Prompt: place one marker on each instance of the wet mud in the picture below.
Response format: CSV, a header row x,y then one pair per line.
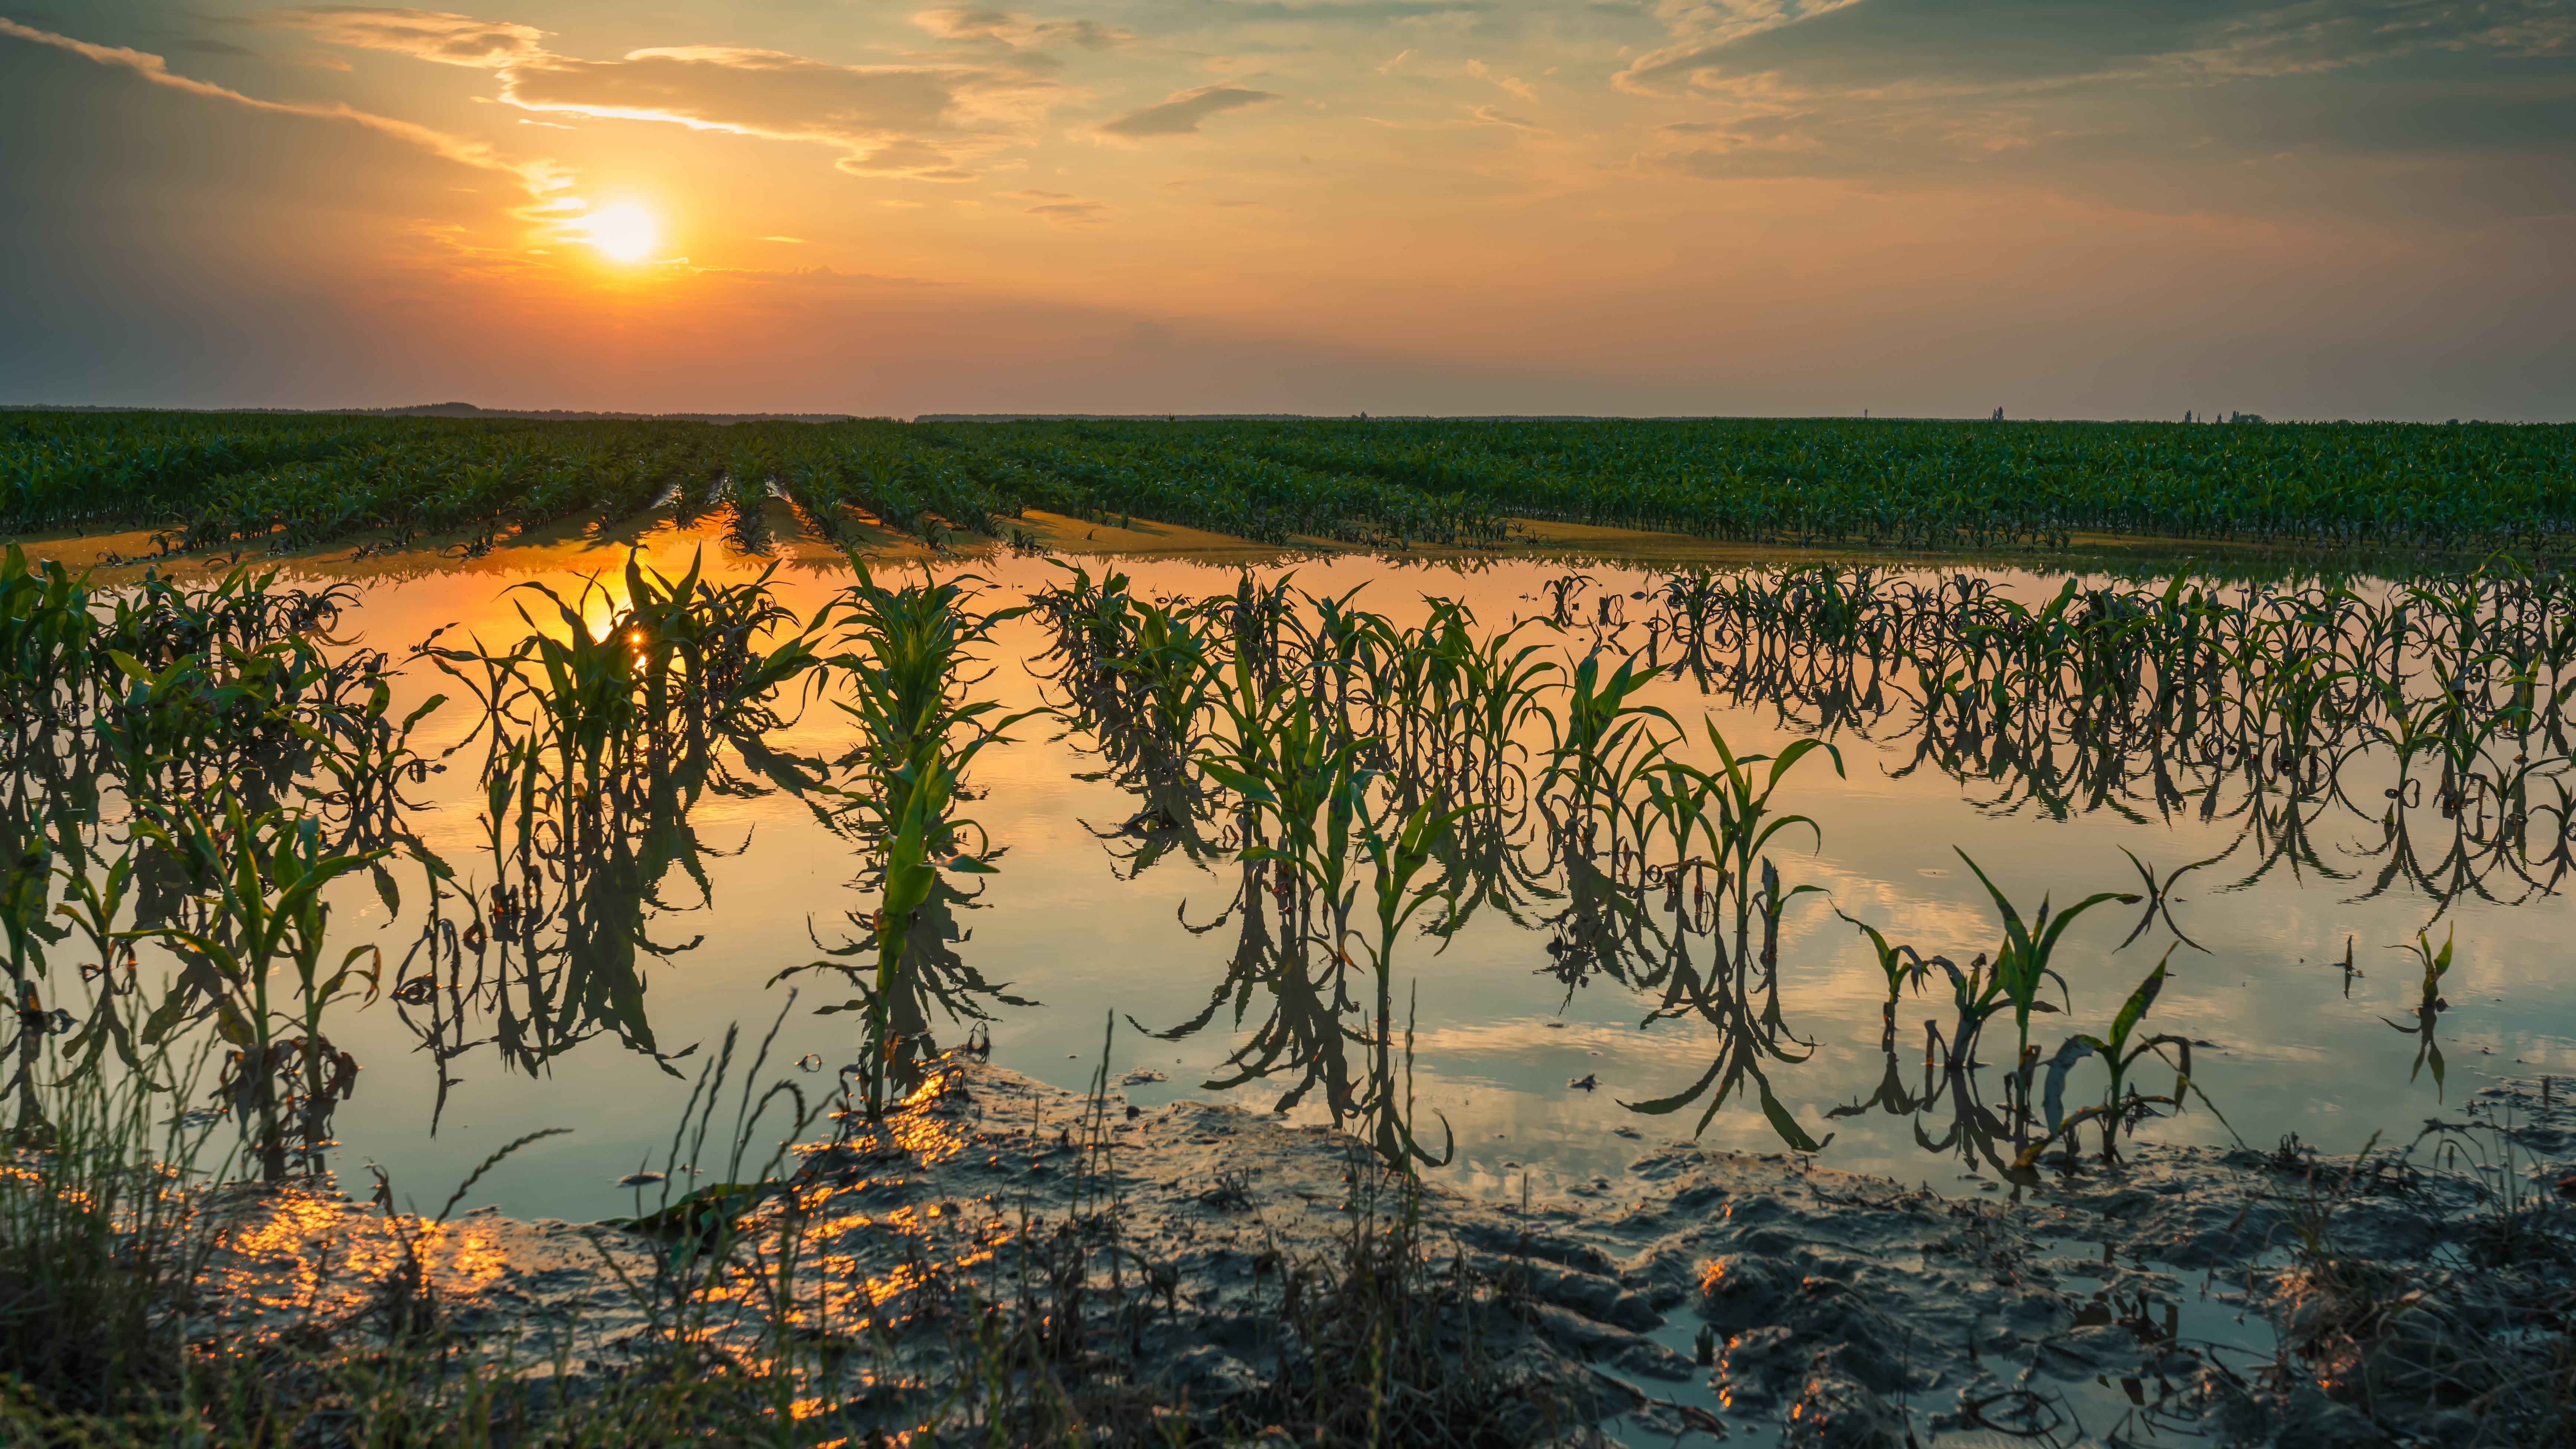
x,y
2227,1297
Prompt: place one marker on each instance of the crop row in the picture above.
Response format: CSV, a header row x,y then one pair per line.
x,y
296,480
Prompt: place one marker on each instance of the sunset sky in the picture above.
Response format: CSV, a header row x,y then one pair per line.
x,y
2331,208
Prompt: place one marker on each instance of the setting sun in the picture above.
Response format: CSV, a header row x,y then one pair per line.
x,y
625,233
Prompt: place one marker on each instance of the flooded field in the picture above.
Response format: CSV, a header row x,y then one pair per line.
x,y
1601,936
895,975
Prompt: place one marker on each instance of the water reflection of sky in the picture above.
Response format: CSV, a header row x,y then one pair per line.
x,y
1497,1040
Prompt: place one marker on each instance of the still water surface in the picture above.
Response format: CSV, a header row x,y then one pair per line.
x,y
2290,1042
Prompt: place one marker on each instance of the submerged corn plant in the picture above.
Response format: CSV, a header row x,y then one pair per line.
x,y
907,659
2429,1005
601,729
2024,962
262,877
2123,1107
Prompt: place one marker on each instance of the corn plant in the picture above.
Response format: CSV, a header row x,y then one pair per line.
x,y
262,876
2022,965
2122,1105
906,671
2429,1005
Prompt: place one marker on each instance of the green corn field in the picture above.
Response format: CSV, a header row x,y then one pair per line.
x,y
298,480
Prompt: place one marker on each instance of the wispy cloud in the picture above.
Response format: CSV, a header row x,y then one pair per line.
x,y
429,34
1181,113
1020,32
1512,83
1061,208
924,122
1883,51
1496,116
919,121
1071,214
542,179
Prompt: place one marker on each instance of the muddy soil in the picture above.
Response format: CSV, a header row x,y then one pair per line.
x,y
2222,1297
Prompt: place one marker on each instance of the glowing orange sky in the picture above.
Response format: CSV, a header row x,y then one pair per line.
x,y
2326,208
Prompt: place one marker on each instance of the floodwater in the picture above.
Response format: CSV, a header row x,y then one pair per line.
x,y
2288,1040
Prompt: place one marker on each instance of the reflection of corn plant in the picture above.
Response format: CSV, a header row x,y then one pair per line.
x,y
602,735
24,891
97,904
366,754
263,876
1308,816
1300,799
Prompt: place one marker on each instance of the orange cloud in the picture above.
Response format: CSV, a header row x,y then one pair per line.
x,y
924,122
1062,208
1180,114
429,34
1020,32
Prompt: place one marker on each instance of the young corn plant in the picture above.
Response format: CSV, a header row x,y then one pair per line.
x,y
1744,821
2429,1006
262,877
2022,964
2122,1106
910,650
1901,965
1400,845
1299,803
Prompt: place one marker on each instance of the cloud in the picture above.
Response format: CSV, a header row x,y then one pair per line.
x,y
923,122
543,179
1181,113
1924,48
1495,116
1020,32
1512,83
1912,89
917,121
1392,64
1070,214
427,34
1061,208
